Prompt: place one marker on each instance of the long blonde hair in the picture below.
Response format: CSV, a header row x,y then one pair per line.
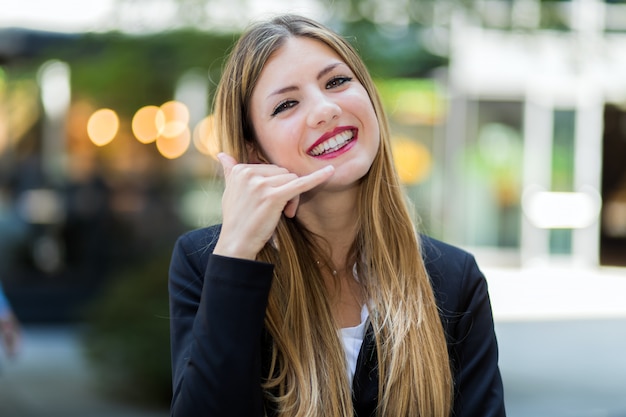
x,y
307,374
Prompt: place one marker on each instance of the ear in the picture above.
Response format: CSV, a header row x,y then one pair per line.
x,y
255,155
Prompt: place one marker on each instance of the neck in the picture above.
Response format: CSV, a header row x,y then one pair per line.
x,y
346,296
331,215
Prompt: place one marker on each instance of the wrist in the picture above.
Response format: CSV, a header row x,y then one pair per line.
x,y
234,250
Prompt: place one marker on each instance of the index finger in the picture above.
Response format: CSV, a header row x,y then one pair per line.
x,y
308,182
227,161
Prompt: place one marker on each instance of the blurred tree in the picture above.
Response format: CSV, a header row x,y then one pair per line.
x,y
126,72
391,52
392,31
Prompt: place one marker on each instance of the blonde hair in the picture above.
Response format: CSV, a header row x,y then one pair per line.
x,y
307,374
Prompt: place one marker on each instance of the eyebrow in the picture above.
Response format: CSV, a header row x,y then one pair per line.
x,y
320,74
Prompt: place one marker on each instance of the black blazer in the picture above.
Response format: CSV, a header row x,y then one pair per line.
x,y
218,339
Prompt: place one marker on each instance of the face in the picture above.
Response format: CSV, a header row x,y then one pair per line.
x,y
308,110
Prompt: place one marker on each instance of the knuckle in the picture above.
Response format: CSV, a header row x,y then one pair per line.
x,y
245,171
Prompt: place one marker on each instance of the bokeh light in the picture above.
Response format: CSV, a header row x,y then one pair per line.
x,y
176,118
167,124
174,147
561,210
413,160
102,126
148,123
204,137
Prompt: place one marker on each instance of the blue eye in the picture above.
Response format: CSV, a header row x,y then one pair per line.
x,y
284,105
337,81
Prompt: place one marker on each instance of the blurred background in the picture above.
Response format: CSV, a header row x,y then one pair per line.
x,y
509,130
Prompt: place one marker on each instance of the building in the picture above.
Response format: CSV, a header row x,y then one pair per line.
x,y
535,140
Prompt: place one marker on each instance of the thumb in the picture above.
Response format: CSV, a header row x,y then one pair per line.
x,y
292,207
227,161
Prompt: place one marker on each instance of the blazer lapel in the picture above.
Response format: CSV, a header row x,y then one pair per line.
x,y
365,383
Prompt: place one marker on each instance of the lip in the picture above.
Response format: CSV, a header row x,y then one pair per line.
x,y
326,136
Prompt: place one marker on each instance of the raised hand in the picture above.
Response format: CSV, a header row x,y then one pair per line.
x,y
255,197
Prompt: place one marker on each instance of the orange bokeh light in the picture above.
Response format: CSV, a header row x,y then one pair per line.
x,y
174,147
413,160
148,123
204,137
102,126
176,118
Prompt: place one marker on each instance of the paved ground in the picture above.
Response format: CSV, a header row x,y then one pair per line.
x,y
564,368
562,335
50,378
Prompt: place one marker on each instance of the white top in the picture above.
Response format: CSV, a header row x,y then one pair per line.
x,y
352,338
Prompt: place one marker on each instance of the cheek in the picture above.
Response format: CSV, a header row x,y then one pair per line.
x,y
360,104
280,142
370,122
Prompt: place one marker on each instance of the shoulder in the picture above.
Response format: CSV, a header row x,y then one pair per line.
x,y
461,294
204,238
442,258
194,247
453,273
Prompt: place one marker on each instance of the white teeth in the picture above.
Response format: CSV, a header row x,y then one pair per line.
x,y
333,143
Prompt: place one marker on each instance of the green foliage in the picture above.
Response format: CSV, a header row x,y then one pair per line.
x,y
127,338
126,72
391,52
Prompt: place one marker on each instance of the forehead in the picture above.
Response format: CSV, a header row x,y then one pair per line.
x,y
297,55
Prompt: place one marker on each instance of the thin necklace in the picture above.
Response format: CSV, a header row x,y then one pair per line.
x,y
334,271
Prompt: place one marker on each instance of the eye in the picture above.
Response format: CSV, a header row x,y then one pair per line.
x,y
284,105
337,81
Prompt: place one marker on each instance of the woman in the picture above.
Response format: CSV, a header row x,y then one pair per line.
x,y
316,296
10,333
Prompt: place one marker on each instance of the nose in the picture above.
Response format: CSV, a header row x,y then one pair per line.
x,y
323,110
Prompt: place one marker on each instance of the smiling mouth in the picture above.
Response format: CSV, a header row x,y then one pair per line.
x,y
333,144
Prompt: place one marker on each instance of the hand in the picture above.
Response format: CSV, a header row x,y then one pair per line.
x,y
255,197
10,335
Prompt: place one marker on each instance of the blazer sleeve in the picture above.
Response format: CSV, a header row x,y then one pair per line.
x,y
217,310
463,298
